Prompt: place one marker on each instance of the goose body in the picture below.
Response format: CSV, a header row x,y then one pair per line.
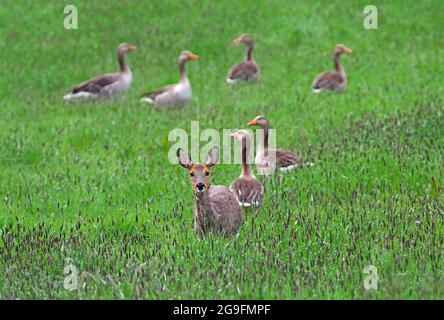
x,y
173,95
247,70
107,85
335,80
247,189
282,159
268,159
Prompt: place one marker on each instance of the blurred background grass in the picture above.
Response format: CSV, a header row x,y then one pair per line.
x,y
91,181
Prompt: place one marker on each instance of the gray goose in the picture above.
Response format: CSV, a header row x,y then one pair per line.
x,y
216,209
268,159
335,80
174,95
247,189
107,85
247,70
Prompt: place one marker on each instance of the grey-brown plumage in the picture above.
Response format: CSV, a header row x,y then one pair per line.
x,y
286,158
96,85
247,189
153,94
173,95
268,159
107,85
335,80
216,209
247,70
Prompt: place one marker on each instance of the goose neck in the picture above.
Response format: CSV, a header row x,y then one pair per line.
x,y
338,65
249,55
182,71
246,167
122,62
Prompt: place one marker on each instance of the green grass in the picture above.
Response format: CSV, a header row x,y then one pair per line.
x,y
92,182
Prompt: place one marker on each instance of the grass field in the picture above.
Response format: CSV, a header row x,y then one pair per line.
x,y
91,182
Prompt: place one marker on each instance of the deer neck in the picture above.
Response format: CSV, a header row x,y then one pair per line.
x,y
204,215
203,205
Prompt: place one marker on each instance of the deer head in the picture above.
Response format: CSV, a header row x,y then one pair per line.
x,y
199,173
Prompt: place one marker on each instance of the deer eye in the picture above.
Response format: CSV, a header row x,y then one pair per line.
x,y
207,173
192,174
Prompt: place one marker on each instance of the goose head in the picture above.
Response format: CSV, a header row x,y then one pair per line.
x,y
186,56
259,121
240,135
125,47
340,48
244,38
244,138
199,173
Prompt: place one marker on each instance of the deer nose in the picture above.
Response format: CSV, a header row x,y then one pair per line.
x,y
200,186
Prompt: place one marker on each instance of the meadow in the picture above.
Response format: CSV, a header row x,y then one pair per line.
x,y
89,184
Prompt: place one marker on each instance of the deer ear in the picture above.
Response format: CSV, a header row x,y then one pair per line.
x,y
184,159
212,157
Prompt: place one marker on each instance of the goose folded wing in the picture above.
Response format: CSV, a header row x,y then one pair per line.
x,y
96,84
328,80
248,190
243,71
286,158
155,93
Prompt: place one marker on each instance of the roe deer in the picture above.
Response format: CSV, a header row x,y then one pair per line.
x,y
216,209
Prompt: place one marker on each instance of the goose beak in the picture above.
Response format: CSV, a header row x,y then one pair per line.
x,y
132,48
348,50
252,122
237,40
193,56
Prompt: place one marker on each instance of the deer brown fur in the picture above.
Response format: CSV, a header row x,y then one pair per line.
x,y
216,209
